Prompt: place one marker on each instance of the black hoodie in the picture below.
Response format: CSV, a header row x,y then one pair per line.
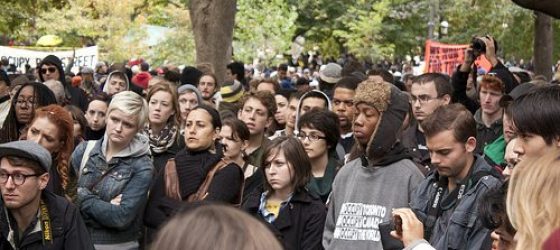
x,y
74,96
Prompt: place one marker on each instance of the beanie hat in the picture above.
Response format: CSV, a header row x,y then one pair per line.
x,y
330,73
184,88
393,106
141,79
86,70
29,150
232,93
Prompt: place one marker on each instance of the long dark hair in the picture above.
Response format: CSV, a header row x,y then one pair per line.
x,y
42,96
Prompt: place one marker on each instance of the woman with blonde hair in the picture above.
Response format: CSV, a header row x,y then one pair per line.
x,y
217,227
532,200
115,173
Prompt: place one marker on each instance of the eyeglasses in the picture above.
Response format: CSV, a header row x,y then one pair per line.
x,y
312,137
18,179
21,102
422,98
50,69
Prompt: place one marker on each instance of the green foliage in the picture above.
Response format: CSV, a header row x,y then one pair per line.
x,y
363,31
105,22
263,29
178,45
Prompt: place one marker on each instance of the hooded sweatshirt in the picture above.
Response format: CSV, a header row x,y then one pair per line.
x,y
326,98
106,84
383,177
74,95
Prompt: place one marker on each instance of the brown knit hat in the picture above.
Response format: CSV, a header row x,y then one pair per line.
x,y
374,92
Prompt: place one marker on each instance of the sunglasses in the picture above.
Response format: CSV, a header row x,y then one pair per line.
x,y
50,69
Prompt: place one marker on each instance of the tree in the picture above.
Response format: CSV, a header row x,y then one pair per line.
x,y
543,45
263,29
212,23
177,47
107,23
363,31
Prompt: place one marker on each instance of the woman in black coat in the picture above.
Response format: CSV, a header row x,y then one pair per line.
x,y
296,217
192,166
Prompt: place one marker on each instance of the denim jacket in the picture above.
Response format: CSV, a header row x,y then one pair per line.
x,y
458,226
129,173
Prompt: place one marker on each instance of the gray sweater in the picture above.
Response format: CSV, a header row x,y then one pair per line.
x,y
363,197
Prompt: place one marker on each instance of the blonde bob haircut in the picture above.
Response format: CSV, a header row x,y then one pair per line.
x,y
130,103
533,203
215,227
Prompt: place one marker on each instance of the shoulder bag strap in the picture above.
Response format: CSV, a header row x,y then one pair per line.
x,y
202,191
171,180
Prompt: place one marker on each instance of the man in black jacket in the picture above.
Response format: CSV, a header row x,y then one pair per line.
x,y
32,217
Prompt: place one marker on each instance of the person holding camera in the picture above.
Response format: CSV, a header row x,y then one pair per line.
x,y
491,87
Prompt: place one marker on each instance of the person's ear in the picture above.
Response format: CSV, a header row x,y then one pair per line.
x,y
446,99
470,145
43,181
269,121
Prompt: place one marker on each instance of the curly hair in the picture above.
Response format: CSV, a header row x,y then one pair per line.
x,y
65,124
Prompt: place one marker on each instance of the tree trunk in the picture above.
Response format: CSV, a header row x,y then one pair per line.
x,y
543,45
212,24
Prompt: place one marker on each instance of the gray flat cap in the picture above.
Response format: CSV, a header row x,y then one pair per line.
x,y
28,150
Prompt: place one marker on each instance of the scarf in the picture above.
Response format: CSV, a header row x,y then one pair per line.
x,y
165,140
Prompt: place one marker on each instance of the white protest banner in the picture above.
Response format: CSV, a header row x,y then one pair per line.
x,y
20,57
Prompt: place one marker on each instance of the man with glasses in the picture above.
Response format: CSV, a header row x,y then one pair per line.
x,y
32,217
427,92
50,68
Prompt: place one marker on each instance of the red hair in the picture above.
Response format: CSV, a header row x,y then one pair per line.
x,y
63,121
492,82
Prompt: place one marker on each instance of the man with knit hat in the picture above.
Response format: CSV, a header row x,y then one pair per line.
x,y
50,68
32,217
379,175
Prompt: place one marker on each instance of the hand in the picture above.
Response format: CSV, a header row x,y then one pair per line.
x,y
117,200
490,50
469,60
413,229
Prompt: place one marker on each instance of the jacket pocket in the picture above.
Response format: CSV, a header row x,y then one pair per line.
x,y
459,228
114,183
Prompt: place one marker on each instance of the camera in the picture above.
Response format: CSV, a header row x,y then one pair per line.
x,y
479,47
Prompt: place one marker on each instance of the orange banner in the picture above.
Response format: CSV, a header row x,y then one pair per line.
x,y
444,58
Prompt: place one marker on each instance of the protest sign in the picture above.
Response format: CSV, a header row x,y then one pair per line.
x,y
20,57
444,58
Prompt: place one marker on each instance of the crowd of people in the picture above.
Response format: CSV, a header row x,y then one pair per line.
x,y
341,156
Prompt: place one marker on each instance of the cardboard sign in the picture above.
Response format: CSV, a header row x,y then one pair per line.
x,y
444,58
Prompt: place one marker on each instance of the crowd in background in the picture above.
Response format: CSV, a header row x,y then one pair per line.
x,y
336,155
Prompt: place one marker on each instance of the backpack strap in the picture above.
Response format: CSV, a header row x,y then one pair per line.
x,y
89,146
